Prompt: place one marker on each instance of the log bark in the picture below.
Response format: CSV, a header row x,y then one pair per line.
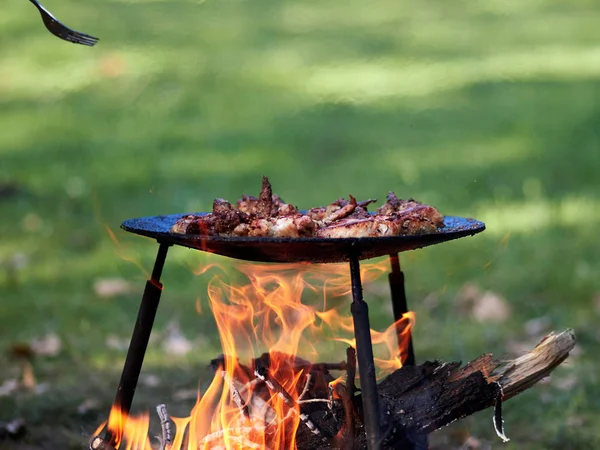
x,y
421,399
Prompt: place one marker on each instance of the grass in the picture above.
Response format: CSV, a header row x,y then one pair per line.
x,y
487,110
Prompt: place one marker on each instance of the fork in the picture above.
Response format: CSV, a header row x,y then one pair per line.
x,y
62,31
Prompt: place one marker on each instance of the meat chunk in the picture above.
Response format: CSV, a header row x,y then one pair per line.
x,y
291,227
225,217
269,215
193,224
372,226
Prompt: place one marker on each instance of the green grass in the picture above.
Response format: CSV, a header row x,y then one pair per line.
x,y
487,110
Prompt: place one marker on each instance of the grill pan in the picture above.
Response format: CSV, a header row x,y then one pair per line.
x,y
286,250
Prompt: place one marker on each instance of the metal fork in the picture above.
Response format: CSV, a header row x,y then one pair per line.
x,y
62,31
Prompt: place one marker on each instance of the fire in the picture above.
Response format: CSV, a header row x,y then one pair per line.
x,y
268,323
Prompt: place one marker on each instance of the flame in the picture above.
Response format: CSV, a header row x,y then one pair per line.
x,y
268,323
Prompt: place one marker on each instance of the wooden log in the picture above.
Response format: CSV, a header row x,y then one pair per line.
x,y
418,400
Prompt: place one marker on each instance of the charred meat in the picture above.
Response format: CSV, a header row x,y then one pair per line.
x,y
268,215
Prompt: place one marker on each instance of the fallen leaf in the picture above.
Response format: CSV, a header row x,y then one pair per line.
x,y
8,387
49,345
174,342
116,343
150,380
111,287
491,307
88,405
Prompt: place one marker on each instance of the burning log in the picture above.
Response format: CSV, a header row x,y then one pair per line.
x,y
97,443
417,400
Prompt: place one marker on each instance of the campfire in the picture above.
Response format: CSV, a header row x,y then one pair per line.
x,y
271,391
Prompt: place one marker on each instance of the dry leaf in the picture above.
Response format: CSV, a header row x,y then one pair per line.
x,y
49,345
8,387
115,343
483,306
111,287
149,380
174,342
88,405
491,307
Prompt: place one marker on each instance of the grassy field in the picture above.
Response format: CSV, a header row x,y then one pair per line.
x,y
486,109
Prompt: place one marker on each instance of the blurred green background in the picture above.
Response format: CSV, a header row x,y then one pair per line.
x,y
484,109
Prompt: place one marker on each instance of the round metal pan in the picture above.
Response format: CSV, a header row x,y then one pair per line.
x,y
286,250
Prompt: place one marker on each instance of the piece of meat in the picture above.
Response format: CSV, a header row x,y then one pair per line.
x,y
247,204
182,224
318,213
358,228
243,229
292,227
265,206
226,218
419,219
394,204
287,209
422,219
193,224
341,212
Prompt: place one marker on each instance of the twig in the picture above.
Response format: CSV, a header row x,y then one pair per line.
x,y
97,443
240,432
314,400
498,420
351,371
263,374
249,385
306,387
165,425
346,433
236,396
322,367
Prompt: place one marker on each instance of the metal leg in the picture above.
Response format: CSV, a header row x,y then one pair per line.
x,y
396,278
138,345
399,305
366,365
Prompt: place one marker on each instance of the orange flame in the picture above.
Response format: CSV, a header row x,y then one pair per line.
x,y
268,313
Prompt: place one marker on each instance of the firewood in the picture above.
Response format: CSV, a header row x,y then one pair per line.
x,y
263,374
414,400
165,425
97,443
417,400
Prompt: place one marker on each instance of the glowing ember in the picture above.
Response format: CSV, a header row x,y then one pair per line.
x,y
253,400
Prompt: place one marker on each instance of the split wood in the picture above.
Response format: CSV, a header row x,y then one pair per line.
x,y
418,400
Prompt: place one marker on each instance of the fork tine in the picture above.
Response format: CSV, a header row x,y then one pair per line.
x,y
87,41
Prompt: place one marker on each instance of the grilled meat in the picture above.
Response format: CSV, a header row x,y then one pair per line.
x,y
269,216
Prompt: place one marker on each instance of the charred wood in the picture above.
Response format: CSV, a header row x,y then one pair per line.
x,y
417,400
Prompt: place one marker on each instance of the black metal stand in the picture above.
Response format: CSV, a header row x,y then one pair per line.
x,y
366,365
399,305
138,344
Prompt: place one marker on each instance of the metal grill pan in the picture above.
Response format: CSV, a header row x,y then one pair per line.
x,y
286,250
